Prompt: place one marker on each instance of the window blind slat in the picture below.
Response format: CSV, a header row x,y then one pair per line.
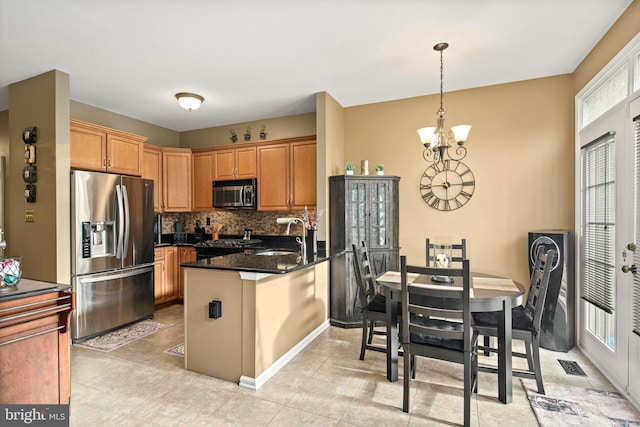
x,y
636,254
598,227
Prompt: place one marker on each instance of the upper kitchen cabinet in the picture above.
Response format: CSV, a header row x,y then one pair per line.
x,y
103,149
177,179
234,163
287,175
152,169
203,173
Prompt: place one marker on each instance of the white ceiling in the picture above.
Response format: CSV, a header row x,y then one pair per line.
x,y
258,59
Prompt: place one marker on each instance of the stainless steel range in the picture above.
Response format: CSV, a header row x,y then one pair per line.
x,y
220,247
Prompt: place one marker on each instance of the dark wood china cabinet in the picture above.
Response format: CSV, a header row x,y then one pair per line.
x,y
361,208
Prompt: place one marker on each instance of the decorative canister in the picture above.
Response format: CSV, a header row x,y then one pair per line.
x,y
364,167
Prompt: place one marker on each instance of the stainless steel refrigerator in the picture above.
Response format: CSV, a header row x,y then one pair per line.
x,y
112,251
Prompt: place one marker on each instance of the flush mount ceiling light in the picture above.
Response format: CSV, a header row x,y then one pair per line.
x,y
189,101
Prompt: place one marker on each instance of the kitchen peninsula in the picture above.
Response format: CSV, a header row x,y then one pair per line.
x,y
270,307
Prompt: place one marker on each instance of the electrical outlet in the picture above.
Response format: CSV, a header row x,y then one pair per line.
x,y
208,221
29,216
215,309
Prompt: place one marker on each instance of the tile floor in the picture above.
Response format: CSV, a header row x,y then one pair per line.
x,y
325,385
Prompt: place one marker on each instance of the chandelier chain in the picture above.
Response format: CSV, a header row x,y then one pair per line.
x,y
441,80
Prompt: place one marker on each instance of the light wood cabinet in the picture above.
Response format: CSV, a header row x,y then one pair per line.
x,y
235,162
185,254
287,175
177,173
152,169
102,149
203,175
171,170
165,274
303,174
35,349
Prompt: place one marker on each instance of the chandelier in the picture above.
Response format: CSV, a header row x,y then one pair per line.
x,y
436,140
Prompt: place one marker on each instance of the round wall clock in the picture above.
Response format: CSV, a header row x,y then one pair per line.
x,y
447,185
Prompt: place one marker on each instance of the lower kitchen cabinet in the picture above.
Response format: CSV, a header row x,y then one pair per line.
x,y
165,274
185,254
35,349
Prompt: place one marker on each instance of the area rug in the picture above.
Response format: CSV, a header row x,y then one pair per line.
x,y
177,350
576,406
123,336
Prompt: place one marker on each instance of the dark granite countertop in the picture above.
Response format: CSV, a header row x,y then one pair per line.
x,y
273,264
28,288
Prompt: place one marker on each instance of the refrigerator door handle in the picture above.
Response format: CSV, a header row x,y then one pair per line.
x,y
119,244
127,222
101,277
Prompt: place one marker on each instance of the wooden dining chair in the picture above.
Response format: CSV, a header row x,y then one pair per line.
x,y
433,327
458,252
525,320
372,303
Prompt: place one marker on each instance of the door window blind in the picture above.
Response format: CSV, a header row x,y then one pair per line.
x,y
636,254
598,224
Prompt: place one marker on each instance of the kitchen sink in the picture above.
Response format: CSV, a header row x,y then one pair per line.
x,y
276,252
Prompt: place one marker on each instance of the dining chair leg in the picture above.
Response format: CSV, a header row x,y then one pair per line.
x,y
467,390
474,368
536,363
372,326
413,367
528,345
363,346
406,380
487,345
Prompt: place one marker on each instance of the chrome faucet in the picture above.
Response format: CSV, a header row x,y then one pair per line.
x,y
301,240
3,243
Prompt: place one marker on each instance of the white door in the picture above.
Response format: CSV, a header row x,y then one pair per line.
x,y
606,227
634,294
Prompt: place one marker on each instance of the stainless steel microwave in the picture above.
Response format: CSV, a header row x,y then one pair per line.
x,y
236,194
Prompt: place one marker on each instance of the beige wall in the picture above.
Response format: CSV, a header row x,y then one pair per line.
x,y
4,133
520,151
278,128
41,101
330,152
156,135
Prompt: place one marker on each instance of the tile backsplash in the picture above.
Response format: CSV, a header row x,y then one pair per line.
x,y
233,222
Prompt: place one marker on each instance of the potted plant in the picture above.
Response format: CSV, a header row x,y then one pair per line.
x,y
380,168
349,167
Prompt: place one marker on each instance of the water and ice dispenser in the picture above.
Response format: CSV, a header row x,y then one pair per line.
x,y
98,239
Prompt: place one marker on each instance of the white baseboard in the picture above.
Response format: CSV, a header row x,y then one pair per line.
x,y
256,383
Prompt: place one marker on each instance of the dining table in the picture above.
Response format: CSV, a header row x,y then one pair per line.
x,y
489,293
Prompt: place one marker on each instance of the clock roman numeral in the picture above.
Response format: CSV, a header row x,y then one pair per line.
x,y
425,186
465,195
428,196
